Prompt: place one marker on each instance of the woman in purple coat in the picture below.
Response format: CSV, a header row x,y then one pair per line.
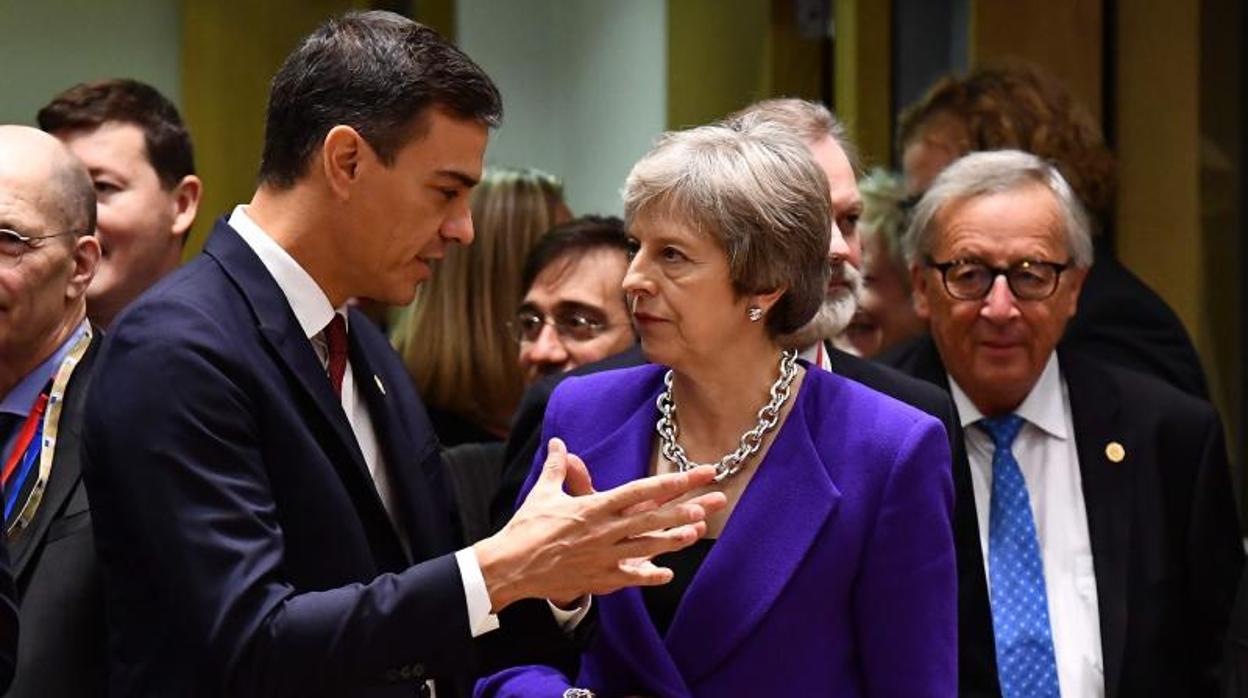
x,y
831,572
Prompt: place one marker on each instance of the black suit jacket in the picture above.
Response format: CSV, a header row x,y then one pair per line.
x,y
244,545
8,620
1165,538
1124,322
62,645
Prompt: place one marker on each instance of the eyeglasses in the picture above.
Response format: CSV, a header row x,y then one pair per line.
x,y
13,245
971,280
576,325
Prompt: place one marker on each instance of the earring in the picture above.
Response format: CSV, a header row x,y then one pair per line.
x,y
755,313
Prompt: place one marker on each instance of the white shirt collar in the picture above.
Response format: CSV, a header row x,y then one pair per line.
x,y
307,300
1043,406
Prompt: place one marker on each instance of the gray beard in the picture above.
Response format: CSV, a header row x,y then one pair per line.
x,y
833,316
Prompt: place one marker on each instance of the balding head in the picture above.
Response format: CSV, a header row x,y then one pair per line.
x,y
48,252
37,166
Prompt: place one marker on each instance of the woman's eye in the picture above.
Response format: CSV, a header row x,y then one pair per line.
x,y
672,254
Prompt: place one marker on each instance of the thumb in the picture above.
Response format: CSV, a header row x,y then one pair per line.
x,y
556,467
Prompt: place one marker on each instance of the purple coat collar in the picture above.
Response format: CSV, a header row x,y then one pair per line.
x,y
769,534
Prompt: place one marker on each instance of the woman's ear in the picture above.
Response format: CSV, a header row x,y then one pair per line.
x,y
767,299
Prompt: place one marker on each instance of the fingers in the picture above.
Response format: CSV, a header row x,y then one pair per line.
x,y
578,482
660,488
669,516
555,468
648,545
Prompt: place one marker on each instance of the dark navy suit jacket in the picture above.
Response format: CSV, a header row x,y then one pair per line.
x,y
245,548
835,575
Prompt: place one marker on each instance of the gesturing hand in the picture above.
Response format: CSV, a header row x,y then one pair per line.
x,y
560,546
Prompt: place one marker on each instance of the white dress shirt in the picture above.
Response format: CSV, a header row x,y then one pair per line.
x,y
313,311
1046,454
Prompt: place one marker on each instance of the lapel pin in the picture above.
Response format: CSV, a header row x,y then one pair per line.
x,y
377,379
1115,452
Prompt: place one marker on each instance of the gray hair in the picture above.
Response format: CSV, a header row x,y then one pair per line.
x,y
759,195
996,172
810,121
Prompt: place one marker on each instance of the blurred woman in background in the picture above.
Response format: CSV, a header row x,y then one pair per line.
x,y
454,337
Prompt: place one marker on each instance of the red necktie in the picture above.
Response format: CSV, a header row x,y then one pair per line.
x,y
336,339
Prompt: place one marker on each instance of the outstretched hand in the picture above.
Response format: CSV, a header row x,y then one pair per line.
x,y
564,544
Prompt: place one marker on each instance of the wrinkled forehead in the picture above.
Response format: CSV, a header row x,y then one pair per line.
x,y
26,202
1022,220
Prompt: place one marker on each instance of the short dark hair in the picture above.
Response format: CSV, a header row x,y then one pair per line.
x,y
573,238
90,104
377,72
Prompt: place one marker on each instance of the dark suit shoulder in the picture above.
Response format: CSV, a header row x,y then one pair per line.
x,y
893,382
1137,392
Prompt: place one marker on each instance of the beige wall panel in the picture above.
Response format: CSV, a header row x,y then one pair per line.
x,y
1158,146
231,48
1064,36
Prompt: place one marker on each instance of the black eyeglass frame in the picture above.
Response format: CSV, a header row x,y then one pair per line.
x,y
945,267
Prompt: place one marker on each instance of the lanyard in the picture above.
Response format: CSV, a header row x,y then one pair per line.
x,y
46,445
25,437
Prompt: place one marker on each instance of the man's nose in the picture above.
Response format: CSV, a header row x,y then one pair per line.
x,y
459,227
548,347
838,249
1000,304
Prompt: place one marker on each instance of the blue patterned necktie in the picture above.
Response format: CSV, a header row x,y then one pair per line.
x,y
1020,608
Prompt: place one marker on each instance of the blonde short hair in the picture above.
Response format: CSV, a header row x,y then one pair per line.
x,y
759,195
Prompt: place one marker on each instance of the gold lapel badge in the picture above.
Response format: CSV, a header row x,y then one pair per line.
x,y
377,379
1115,452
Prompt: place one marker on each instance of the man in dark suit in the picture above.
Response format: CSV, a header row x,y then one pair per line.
x,y
270,507
1120,320
1102,495
48,255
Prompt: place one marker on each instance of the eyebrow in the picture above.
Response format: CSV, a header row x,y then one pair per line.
x,y
577,306
464,180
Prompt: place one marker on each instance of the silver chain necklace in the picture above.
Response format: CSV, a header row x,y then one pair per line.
x,y
751,440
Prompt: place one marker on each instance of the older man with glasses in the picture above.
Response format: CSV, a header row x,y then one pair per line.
x,y
48,256
1107,536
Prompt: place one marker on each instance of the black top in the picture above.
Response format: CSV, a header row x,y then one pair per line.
x,y
663,600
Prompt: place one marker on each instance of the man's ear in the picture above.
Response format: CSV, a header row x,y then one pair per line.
x,y
86,259
342,152
918,292
186,196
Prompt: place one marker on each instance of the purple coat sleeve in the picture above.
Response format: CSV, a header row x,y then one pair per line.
x,y
905,605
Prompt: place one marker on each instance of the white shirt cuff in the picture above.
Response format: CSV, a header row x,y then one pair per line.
x,y
568,620
480,620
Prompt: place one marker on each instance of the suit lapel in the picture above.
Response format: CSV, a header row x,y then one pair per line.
x,y
280,328
788,500
1108,496
424,518
619,458
66,472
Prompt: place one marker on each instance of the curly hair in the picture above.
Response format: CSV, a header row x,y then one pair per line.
x,y
1021,107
